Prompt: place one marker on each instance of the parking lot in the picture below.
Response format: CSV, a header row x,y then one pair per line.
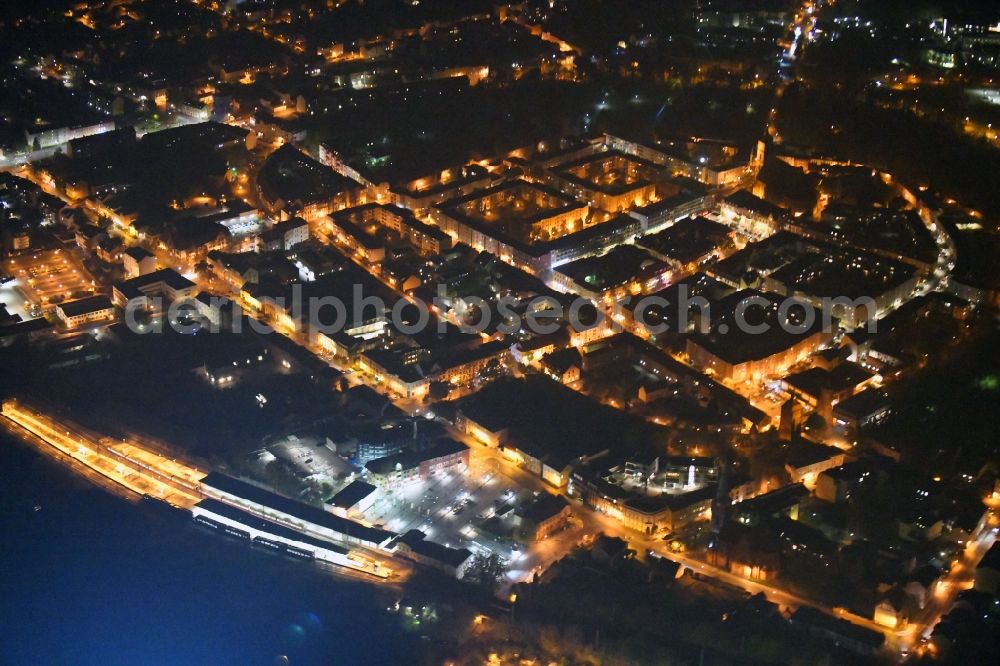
x,y
50,277
449,506
308,458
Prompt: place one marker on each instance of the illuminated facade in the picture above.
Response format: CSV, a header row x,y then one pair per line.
x,y
165,283
664,513
222,517
85,311
310,520
611,181
425,238
411,466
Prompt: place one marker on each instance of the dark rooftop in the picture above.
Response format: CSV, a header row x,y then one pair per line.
x,y
544,508
350,495
556,424
170,277
748,201
138,253
689,240
774,501
864,403
730,342
250,520
85,306
991,560
304,512
418,543
654,503
291,176
810,617
412,459
845,376
562,360
620,266
802,453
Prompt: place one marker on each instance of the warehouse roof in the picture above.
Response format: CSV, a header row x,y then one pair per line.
x,y
300,510
250,520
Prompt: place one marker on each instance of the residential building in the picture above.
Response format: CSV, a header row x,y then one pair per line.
x,y
138,261
545,516
85,311
285,235
165,284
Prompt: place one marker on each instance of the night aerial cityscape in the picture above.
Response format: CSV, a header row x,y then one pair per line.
x,y
474,332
